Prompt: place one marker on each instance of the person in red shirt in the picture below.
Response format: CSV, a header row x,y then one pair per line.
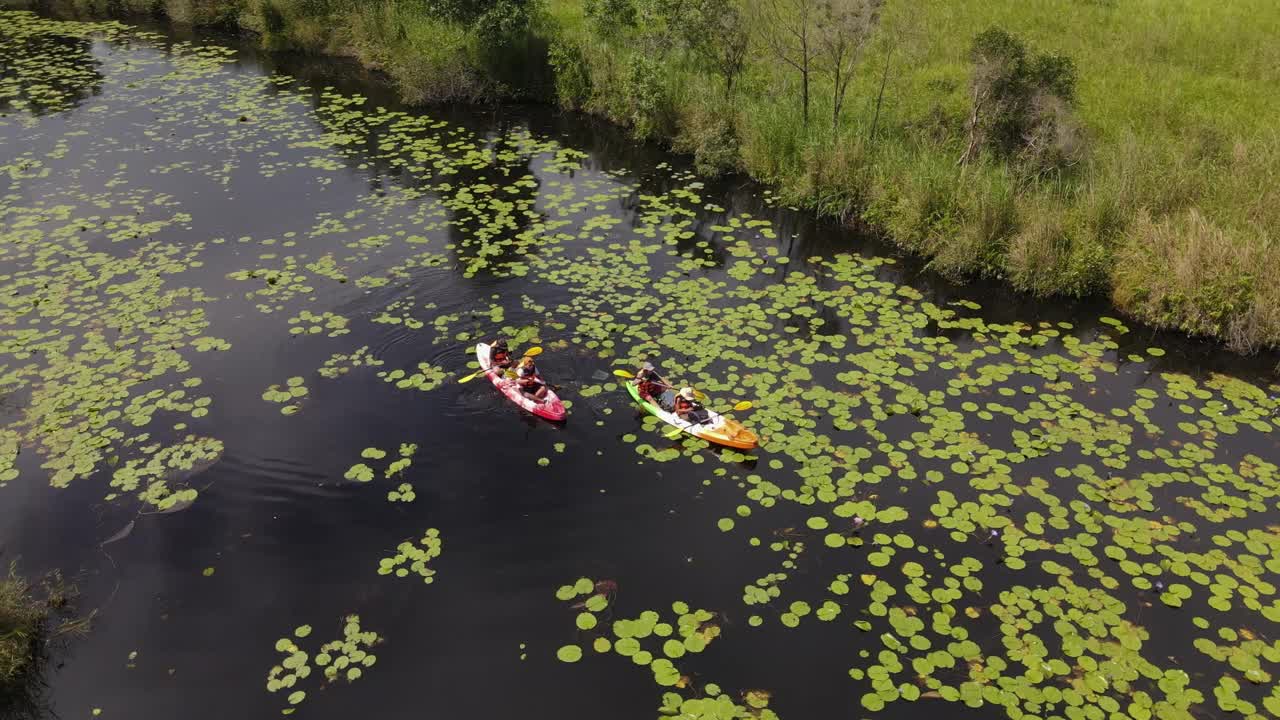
x,y
649,383
688,408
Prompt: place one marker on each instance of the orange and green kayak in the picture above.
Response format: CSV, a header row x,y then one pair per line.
x,y
717,429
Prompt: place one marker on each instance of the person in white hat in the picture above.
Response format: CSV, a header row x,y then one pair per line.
x,y
652,386
688,408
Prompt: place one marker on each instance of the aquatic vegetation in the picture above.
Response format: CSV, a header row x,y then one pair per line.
x,y
1032,517
161,470
344,658
363,473
311,324
8,455
404,493
398,313
427,378
649,641
292,392
37,617
21,616
413,557
340,364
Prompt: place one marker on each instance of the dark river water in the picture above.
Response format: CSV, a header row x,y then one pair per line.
x,y
965,503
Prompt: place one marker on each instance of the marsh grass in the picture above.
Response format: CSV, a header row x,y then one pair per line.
x,y
35,620
21,620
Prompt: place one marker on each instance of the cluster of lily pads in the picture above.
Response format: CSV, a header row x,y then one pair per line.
x,y
649,641
308,323
399,313
363,473
340,364
292,392
413,557
1031,517
428,377
343,658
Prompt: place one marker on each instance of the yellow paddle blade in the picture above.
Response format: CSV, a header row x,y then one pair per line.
x,y
744,405
700,395
673,433
471,377
625,374
533,352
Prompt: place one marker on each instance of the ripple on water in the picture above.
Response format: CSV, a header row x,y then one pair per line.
x,y
251,479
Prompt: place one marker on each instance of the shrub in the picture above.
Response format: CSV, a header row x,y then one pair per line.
x,y
709,134
1022,106
572,76
610,18
644,96
717,32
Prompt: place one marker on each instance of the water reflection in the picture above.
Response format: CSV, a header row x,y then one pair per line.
x,y
47,74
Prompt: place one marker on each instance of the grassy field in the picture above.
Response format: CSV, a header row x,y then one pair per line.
x,y
1171,210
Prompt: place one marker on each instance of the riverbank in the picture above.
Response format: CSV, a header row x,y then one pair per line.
x,y
34,614
20,619
1157,188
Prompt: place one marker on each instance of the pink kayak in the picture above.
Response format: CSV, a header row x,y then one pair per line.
x,y
550,407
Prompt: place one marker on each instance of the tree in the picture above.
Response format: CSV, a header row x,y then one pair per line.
x,y
846,25
611,17
787,29
663,23
897,33
718,34
497,22
1021,106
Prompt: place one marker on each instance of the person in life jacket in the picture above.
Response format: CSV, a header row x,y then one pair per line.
x,y
649,383
500,354
528,380
688,408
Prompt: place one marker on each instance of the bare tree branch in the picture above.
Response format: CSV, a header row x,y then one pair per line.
x,y
788,32
846,26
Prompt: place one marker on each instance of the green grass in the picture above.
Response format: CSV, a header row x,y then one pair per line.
x,y
1177,99
33,619
21,618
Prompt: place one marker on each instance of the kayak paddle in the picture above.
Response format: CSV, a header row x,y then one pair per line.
x,y
631,376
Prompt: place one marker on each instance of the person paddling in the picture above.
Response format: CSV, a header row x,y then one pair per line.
x,y
649,382
652,386
500,354
528,380
688,408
